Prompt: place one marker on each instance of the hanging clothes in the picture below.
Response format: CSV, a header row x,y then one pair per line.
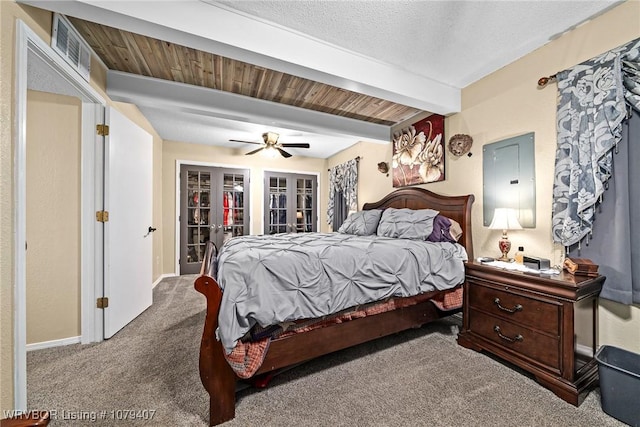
x,y
230,212
225,208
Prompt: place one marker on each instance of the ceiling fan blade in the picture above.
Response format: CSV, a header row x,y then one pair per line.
x,y
247,142
254,151
297,145
284,153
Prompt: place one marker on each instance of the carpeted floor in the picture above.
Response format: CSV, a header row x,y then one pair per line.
x,y
419,377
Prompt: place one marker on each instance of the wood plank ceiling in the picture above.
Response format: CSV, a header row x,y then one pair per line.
x,y
133,53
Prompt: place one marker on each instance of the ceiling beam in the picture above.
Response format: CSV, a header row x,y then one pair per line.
x,y
212,28
158,93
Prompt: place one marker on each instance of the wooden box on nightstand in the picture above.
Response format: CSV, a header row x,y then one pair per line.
x,y
546,325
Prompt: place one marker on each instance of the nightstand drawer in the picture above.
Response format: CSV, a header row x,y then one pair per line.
x,y
528,311
529,320
525,341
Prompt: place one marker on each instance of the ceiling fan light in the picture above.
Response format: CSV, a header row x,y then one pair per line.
x,y
270,152
270,137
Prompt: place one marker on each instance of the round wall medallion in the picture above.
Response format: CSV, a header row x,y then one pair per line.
x,y
460,144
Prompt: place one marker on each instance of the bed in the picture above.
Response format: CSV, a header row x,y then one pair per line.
x,y
216,373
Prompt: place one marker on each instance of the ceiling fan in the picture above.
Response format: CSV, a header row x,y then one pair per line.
x,y
271,146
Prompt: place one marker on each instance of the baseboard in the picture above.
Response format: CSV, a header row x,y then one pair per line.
x,y
53,343
584,350
159,279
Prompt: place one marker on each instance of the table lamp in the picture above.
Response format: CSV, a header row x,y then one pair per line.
x,y
505,219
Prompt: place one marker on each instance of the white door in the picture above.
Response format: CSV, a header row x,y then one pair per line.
x,y
128,241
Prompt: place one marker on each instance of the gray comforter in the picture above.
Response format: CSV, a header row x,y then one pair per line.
x,y
272,279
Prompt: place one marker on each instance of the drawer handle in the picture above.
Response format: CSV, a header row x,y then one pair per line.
x,y
517,307
506,338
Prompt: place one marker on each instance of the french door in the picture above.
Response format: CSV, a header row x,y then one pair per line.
x,y
214,205
290,204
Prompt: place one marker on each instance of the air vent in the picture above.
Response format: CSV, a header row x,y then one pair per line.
x,y
67,42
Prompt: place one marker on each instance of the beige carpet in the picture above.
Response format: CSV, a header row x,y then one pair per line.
x,y
417,378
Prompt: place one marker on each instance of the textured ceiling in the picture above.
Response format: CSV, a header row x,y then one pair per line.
x,y
414,55
454,42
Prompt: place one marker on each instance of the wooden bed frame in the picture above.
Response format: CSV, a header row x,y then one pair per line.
x,y
219,379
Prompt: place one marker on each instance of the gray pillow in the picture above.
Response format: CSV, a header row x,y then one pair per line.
x,y
407,223
361,223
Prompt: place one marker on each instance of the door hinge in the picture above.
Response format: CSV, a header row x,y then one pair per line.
x,y
102,302
102,216
102,130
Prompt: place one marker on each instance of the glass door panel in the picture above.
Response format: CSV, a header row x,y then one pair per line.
x,y
233,223
290,203
213,206
277,212
198,215
305,206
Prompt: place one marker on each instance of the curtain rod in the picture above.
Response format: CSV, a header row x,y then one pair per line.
x,y
357,159
543,81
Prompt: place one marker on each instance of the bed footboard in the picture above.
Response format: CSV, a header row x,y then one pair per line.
x,y
215,373
219,379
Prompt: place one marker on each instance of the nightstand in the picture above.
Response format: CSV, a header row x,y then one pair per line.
x,y
545,325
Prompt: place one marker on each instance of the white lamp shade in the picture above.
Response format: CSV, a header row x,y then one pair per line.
x,y
270,152
505,219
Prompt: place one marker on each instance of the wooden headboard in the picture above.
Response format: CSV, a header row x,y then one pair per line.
x,y
457,208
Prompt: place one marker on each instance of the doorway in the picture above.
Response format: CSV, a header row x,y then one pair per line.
x,y
290,203
39,68
214,206
53,219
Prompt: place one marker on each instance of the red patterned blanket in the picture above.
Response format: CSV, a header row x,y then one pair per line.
x,y
248,355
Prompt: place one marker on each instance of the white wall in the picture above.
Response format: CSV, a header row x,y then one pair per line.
x,y
508,103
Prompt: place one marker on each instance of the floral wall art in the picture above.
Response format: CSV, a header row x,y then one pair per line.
x,y
418,152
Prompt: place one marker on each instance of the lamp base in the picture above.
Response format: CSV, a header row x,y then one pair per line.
x,y
505,246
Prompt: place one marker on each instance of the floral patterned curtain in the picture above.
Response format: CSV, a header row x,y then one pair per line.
x,y
343,179
591,109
